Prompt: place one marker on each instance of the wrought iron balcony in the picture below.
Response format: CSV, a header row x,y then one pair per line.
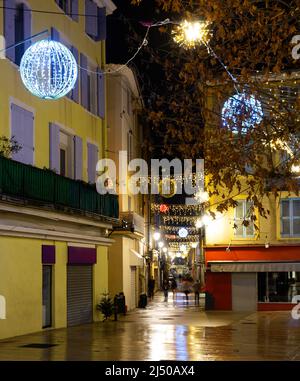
x,y
133,222
44,188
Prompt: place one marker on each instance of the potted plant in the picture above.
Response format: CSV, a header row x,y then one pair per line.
x,y
106,306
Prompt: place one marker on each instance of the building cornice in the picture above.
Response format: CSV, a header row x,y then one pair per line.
x,y
54,216
108,4
44,234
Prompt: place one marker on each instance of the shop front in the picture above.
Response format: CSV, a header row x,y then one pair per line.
x,y
242,282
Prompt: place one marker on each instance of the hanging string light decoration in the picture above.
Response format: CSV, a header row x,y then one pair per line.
x,y
189,34
167,187
163,208
178,209
183,233
242,110
48,69
172,229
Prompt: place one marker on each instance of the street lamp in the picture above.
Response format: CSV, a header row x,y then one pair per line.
x,y
160,244
156,236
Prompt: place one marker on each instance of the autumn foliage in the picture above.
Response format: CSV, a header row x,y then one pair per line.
x,y
249,52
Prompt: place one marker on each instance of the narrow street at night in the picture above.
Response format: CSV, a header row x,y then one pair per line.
x,y
166,331
150,188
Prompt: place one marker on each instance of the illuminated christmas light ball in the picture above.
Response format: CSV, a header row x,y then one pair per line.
x,y
183,233
242,110
48,69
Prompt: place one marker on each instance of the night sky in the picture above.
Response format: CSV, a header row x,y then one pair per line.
x,y
125,34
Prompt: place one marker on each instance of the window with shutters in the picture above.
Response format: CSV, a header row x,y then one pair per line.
x,y
92,151
19,33
66,155
17,28
243,212
92,88
290,217
95,21
65,152
69,7
64,5
129,146
22,124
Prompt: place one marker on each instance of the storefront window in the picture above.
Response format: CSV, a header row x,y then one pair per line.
x,y
278,287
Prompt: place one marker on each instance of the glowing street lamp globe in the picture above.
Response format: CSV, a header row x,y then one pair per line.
x,y
242,110
161,244
156,236
48,69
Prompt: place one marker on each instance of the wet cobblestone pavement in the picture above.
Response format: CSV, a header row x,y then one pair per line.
x,y
167,331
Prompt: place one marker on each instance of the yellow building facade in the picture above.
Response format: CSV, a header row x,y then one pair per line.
x,y
127,266
248,268
54,225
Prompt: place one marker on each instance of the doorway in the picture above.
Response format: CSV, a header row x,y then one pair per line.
x,y
47,296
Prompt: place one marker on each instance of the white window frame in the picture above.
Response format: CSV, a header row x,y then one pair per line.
x,y
291,218
239,220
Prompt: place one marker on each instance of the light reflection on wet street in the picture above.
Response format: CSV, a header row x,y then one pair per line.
x,y
167,331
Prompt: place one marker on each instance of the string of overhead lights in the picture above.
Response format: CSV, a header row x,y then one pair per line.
x,y
121,67
179,219
175,229
185,30
177,208
170,237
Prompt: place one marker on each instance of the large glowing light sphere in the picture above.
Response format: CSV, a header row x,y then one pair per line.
x,y
48,69
242,112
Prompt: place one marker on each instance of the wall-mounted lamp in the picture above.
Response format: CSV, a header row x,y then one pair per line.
x,y
228,247
267,245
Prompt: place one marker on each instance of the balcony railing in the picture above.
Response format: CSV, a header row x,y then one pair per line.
x,y
134,221
43,186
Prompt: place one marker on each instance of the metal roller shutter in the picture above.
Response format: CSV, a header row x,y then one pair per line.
x,y
79,295
244,292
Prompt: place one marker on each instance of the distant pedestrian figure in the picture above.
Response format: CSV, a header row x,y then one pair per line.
x,y
151,285
166,289
173,287
196,289
186,289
